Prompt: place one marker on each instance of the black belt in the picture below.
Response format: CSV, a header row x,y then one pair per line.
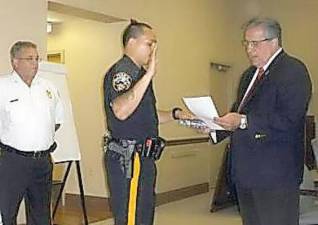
x,y
151,147
33,154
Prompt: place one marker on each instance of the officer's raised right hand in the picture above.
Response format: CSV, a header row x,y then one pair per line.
x,y
152,65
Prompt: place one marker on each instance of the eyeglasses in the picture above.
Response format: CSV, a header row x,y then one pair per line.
x,y
31,59
254,44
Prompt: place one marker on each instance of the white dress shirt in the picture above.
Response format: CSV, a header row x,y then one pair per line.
x,y
28,114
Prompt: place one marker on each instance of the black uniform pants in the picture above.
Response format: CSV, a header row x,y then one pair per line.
x,y
26,177
276,206
132,199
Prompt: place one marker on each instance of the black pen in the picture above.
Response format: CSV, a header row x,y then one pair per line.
x,y
14,100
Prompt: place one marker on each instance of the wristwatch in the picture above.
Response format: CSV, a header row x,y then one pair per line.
x,y
243,122
174,111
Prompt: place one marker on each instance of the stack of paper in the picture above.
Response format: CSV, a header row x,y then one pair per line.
x,y
203,108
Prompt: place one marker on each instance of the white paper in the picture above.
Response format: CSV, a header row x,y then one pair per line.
x,y
66,137
203,108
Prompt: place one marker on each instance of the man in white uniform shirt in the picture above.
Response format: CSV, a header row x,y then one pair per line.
x,y
30,113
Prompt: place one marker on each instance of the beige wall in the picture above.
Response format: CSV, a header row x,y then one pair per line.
x,y
299,23
17,23
90,47
185,52
298,20
182,166
184,69
191,33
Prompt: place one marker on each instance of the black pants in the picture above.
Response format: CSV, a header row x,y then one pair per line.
x,y
132,199
276,206
26,177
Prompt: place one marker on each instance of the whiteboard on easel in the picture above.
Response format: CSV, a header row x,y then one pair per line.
x,y
66,136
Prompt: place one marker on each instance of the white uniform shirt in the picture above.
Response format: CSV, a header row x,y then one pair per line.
x,y
28,114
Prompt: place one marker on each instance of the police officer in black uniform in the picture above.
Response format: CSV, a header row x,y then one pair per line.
x,y
132,118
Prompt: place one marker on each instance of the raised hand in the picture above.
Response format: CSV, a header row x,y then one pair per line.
x,y
152,65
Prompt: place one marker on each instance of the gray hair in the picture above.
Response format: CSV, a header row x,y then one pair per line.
x,y
18,46
272,27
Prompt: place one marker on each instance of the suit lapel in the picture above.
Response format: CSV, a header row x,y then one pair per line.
x,y
265,77
254,90
274,63
245,83
247,78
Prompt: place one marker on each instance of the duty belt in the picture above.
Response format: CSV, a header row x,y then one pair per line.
x,y
150,148
31,154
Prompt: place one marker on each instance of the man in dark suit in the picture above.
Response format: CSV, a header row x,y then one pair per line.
x,y
266,126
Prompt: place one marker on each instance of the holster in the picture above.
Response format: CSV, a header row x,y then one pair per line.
x,y
151,148
125,149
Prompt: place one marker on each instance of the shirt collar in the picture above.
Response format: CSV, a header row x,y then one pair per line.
x,y
16,78
135,69
129,59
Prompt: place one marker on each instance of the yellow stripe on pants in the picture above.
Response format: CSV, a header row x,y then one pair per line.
x,y
134,191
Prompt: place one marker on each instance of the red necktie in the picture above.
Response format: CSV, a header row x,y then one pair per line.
x,y
252,89
260,73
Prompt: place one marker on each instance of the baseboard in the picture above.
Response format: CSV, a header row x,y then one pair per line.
x,y
182,193
73,200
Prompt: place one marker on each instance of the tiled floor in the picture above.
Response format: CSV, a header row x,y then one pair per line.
x,y
196,211
191,211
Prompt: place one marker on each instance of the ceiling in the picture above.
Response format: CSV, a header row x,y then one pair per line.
x,y
56,9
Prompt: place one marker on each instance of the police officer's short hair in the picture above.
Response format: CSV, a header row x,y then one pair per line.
x,y
271,26
16,47
134,30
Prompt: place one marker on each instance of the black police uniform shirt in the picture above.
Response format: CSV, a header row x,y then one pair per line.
x,y
143,122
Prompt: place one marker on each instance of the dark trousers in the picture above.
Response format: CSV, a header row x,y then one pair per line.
x,y
276,206
132,199
26,177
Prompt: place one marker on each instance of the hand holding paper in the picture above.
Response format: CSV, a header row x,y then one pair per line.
x,y
229,121
204,109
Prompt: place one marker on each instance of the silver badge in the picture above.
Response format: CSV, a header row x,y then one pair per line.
x,y
121,81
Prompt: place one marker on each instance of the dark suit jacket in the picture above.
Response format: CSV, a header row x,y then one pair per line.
x,y
270,152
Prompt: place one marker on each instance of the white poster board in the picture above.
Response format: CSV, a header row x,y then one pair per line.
x,y
66,137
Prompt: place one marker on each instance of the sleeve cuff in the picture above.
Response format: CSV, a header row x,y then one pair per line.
x,y
212,135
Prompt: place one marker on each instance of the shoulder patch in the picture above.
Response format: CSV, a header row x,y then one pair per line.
x,y
121,81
